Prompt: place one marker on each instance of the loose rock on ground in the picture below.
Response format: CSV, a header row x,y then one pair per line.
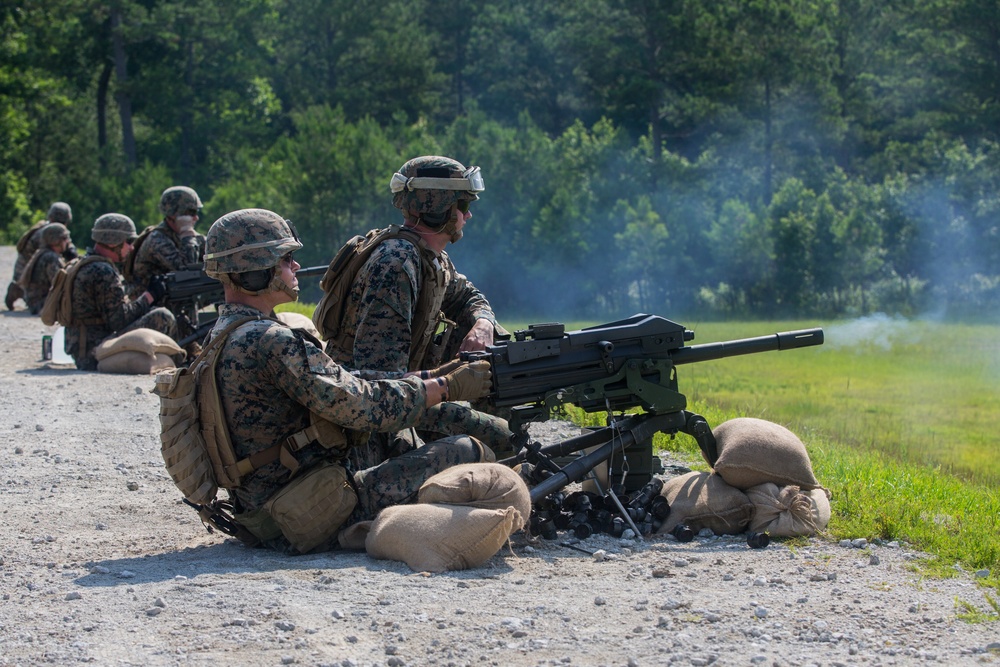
x,y
102,563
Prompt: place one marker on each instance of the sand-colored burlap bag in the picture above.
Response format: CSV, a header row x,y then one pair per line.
x,y
787,511
147,341
755,451
704,500
482,485
300,321
438,537
130,362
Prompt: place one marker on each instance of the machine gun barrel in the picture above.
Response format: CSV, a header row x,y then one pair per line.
x,y
785,340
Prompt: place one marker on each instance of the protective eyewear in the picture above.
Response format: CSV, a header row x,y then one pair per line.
x,y
471,182
463,205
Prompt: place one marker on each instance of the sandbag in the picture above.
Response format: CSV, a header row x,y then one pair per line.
x,y
438,537
755,451
299,321
482,485
130,362
787,511
704,500
147,341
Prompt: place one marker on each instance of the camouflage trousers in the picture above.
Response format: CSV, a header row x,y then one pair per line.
x,y
396,481
158,319
443,419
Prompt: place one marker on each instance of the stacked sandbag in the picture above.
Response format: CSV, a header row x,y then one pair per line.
x,y
762,482
462,517
787,511
704,500
300,321
138,352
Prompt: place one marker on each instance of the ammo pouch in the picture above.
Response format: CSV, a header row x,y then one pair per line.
x,y
308,511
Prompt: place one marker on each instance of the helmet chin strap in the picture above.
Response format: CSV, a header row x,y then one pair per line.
x,y
278,285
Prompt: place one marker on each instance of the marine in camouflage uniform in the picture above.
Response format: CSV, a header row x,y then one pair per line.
x,y
271,377
400,279
30,242
44,265
101,307
172,245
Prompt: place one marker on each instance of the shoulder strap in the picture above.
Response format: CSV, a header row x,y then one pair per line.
x,y
128,266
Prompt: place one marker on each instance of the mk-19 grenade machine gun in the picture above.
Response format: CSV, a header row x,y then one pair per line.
x,y
612,368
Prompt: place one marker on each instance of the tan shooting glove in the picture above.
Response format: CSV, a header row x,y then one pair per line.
x,y
469,381
441,370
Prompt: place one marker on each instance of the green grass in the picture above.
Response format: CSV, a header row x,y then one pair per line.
x,y
900,419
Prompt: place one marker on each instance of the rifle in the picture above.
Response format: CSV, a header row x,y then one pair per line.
x,y
613,367
191,290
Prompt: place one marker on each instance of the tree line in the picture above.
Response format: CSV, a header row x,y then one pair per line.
x,y
807,158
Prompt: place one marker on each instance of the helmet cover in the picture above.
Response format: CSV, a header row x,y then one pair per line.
x,y
113,228
178,200
251,239
53,233
422,194
60,212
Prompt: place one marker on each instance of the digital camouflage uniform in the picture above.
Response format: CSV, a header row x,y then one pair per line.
x,y
271,376
380,311
32,241
99,297
163,251
40,272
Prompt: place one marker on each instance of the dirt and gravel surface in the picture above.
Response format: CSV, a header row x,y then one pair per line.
x,y
101,563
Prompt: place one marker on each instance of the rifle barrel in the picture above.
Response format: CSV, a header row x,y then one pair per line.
x,y
311,271
785,340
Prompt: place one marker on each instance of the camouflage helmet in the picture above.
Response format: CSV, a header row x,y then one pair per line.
x,y
426,188
179,199
113,228
60,212
251,239
53,233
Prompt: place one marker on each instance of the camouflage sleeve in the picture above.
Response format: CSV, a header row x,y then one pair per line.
x,y
160,252
386,310
312,379
108,291
463,303
50,264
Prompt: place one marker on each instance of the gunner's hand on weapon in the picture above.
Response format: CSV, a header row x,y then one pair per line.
x,y
479,337
469,381
438,372
157,288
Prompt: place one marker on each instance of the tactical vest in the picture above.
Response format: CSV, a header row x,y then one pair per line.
x,y
336,318
195,441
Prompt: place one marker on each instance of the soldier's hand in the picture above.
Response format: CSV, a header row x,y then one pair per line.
x,y
441,370
185,225
469,381
157,288
479,337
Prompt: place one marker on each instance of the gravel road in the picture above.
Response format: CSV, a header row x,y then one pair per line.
x,y
101,563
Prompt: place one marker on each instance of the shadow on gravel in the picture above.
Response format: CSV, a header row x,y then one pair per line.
x,y
232,558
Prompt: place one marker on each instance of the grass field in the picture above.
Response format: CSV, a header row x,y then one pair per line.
x,y
900,418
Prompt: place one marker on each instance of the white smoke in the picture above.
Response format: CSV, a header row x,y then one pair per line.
x,y
878,330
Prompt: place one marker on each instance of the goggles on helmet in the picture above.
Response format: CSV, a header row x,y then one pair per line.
x,y
263,244
471,182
